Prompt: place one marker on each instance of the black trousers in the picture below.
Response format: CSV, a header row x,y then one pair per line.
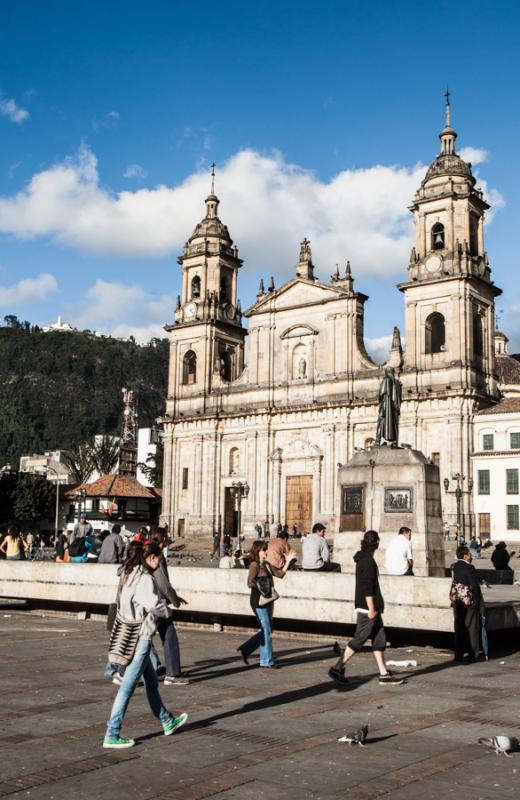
x,y
466,621
172,656
367,628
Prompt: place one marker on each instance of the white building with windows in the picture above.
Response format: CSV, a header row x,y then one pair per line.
x,y
496,467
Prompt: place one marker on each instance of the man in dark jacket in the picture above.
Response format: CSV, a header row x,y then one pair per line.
x,y
369,607
466,618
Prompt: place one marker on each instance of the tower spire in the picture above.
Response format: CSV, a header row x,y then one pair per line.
x,y
213,178
448,135
446,107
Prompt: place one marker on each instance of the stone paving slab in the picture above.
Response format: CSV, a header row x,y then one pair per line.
x,y
251,732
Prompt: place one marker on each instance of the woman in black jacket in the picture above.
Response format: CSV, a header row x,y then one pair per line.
x,y
369,605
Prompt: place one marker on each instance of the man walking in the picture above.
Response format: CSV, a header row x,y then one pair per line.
x,y
466,618
315,551
399,556
369,607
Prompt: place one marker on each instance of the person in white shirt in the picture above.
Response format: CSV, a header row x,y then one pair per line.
x,y
315,551
399,556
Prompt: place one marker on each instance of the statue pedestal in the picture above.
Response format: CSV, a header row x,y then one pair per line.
x,y
382,489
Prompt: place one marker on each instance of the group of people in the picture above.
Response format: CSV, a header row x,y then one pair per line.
x,y
16,547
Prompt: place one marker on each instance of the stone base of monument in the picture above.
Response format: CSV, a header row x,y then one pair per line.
x,y
383,489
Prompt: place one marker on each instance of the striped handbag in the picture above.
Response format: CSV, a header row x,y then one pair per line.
x,y
123,641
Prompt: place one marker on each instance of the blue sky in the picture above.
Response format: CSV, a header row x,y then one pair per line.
x,y
321,118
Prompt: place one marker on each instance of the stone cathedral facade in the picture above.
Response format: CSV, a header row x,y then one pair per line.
x,y
306,398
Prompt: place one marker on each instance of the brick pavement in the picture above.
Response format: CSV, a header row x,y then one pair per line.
x,y
251,732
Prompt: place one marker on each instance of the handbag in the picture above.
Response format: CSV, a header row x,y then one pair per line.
x,y
123,641
264,584
460,593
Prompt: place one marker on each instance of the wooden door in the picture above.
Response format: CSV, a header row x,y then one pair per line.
x,y
298,502
230,515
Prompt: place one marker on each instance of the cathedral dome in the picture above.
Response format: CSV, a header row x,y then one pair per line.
x,y
449,164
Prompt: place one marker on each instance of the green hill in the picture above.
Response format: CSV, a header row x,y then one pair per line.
x,y
58,389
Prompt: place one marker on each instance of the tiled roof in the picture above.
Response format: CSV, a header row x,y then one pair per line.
x,y
115,486
505,406
508,369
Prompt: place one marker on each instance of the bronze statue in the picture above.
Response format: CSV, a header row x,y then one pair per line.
x,y
390,394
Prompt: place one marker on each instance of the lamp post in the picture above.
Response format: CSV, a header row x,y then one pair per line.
x,y
458,492
80,495
239,490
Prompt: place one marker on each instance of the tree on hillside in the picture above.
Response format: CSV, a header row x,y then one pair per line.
x,y
32,498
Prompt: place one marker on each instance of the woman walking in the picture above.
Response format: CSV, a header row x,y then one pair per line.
x,y
139,605
165,627
260,581
13,545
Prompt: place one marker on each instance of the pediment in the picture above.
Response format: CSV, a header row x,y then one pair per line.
x,y
298,292
298,331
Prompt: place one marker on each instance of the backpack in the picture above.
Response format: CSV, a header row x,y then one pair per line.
x,y
460,593
77,547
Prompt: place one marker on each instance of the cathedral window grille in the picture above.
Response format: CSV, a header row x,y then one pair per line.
x,y
478,335
512,481
438,236
185,477
189,368
195,287
435,330
512,518
514,441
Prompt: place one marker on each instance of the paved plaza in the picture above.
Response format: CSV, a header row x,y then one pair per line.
x,y
251,732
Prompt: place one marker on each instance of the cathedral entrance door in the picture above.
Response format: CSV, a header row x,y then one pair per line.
x,y
230,515
298,502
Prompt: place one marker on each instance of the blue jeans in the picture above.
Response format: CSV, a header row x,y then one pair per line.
x,y
263,638
139,666
114,669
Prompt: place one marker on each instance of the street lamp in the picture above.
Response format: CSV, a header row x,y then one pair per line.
x,y
458,492
239,490
80,495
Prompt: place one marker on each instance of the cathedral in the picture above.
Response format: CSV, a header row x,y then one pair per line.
x,y
306,397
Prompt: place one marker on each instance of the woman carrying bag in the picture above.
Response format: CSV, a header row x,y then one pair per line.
x,y
138,608
263,595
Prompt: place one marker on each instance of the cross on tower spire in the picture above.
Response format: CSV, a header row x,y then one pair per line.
x,y
213,178
447,106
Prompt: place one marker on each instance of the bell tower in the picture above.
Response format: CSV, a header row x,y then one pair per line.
x,y
207,337
449,295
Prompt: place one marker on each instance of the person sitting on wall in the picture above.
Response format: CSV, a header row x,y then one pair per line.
x,y
399,556
315,551
500,557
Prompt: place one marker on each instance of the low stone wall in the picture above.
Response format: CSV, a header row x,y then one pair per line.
x,y
411,603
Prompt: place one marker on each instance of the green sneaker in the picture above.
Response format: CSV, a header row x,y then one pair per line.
x,y
117,742
174,724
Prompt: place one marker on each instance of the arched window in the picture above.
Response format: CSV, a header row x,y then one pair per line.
x,y
226,365
195,287
224,290
299,362
234,461
435,330
478,334
438,236
189,368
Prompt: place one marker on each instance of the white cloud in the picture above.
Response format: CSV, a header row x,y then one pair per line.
x,y
379,348
135,171
9,109
268,204
110,120
109,305
29,290
475,155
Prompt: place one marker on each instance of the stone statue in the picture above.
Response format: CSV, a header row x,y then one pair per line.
x,y
302,368
390,394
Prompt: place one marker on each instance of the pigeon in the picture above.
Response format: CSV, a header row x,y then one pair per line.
x,y
501,744
358,737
